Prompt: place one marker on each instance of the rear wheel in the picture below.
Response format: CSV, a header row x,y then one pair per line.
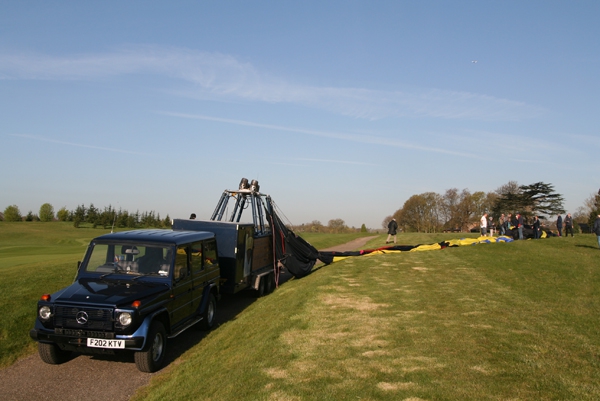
x,y
152,357
208,317
269,283
52,354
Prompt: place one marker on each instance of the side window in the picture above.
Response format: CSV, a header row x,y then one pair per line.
x,y
196,256
210,253
181,263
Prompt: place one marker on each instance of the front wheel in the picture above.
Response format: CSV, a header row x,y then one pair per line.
x,y
52,354
151,358
208,317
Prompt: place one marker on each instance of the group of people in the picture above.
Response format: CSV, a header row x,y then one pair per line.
x,y
568,222
509,222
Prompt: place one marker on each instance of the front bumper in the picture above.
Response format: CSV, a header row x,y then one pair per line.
x,y
76,340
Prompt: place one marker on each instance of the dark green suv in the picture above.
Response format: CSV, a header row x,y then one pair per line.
x,y
133,290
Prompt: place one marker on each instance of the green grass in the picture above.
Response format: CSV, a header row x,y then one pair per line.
x,y
35,258
515,321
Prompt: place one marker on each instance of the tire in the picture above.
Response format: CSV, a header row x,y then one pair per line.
x,y
210,313
269,283
151,358
52,354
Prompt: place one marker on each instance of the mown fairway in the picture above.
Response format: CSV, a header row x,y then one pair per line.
x,y
35,258
515,321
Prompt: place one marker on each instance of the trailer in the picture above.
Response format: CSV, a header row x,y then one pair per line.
x,y
246,256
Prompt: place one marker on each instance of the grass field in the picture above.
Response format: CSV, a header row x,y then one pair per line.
x,y
507,321
35,258
515,321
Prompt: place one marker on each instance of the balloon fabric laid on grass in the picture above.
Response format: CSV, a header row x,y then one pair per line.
x,y
333,256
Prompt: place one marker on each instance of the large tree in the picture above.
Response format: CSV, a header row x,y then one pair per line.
x,y
538,199
12,213
63,214
421,213
46,212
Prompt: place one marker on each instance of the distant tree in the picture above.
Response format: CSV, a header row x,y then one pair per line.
x,y
92,215
538,199
122,218
466,210
79,214
542,200
167,222
12,213
449,209
46,212
592,208
336,226
107,218
316,226
421,213
31,217
62,214
363,228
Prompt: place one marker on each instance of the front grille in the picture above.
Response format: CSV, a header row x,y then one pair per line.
x,y
100,319
84,333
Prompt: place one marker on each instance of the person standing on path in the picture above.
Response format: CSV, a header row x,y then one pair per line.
x,y
568,225
559,225
596,229
392,229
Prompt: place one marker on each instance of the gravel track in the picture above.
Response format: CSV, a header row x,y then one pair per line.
x,y
111,378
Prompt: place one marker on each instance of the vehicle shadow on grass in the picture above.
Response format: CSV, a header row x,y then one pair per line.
x,y
228,308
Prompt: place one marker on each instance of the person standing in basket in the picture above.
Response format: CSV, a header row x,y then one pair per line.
x,y
392,229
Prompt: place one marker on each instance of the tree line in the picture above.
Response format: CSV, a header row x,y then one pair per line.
x,y
91,215
457,210
334,226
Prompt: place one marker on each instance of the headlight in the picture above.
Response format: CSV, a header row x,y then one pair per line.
x,y
45,313
125,319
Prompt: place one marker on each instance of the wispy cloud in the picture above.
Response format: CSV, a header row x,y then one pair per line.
x,y
80,145
333,161
225,77
367,139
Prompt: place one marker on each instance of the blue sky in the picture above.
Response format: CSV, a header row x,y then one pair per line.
x,y
340,109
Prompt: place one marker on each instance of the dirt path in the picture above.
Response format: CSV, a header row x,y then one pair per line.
x,y
351,246
103,378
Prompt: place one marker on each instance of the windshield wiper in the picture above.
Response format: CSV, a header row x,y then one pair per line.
x,y
117,270
149,274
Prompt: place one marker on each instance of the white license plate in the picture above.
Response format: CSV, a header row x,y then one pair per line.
x,y
102,343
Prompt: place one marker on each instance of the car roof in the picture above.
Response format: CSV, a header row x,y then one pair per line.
x,y
157,236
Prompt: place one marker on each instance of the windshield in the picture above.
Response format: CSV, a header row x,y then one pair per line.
x,y
129,259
